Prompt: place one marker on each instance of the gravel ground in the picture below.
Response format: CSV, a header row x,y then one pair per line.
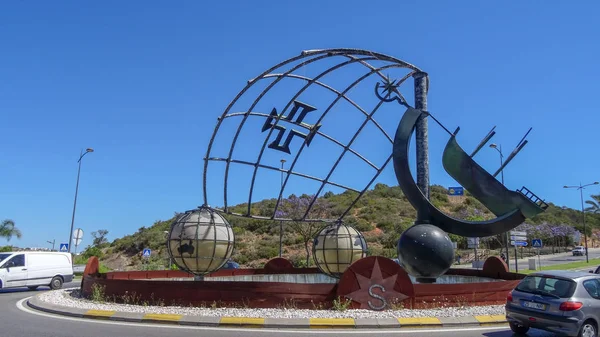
x,y
70,298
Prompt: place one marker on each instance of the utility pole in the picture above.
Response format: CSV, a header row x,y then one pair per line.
x,y
280,221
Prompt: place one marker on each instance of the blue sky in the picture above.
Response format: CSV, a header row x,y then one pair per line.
x,y
143,82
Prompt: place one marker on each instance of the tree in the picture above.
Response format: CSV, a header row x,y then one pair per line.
x,y
99,237
294,208
594,204
8,230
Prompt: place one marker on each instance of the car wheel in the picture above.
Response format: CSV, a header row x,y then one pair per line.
x,y
56,283
588,329
518,329
32,287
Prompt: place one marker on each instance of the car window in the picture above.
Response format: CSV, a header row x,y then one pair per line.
x,y
16,261
592,287
553,286
529,283
4,256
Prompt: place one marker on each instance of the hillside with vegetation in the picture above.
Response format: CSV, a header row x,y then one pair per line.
x,y
382,214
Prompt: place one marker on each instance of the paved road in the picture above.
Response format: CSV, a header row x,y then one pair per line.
x,y
554,259
549,260
17,320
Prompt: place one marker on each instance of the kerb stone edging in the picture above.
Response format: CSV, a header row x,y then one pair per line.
x,y
278,323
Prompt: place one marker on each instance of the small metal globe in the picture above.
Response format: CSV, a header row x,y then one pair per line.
x,y
200,241
336,247
425,252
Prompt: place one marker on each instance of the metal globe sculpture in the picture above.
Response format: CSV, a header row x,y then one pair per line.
x,y
336,247
200,241
291,113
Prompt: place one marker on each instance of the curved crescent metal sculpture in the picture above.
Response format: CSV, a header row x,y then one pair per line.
x,y
511,208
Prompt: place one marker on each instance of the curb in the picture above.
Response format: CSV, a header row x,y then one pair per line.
x,y
276,323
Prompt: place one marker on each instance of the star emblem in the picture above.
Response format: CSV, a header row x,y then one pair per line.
x,y
375,292
389,87
389,91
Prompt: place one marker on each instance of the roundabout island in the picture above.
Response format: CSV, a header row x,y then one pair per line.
x,y
201,241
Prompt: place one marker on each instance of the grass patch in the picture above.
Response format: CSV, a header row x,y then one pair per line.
x,y
567,266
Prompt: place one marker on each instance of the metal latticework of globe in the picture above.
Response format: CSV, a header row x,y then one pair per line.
x,y
200,241
293,113
336,247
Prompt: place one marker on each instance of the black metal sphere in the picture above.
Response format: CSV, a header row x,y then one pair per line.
x,y
425,252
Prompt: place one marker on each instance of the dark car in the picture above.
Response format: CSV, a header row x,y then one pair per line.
x,y
566,303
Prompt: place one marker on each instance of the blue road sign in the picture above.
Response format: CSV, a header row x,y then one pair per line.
x,y
536,243
146,252
64,247
519,243
456,191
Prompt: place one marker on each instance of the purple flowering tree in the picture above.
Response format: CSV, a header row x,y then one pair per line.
x,y
294,208
556,235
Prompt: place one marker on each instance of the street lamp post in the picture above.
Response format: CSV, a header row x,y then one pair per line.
x,y
52,242
506,238
88,150
280,221
580,188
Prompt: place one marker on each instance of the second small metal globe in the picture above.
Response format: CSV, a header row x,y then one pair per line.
x,y
336,247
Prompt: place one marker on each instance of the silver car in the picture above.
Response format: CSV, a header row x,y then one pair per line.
x,y
564,302
578,251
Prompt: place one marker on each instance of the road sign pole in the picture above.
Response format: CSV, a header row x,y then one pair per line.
x,y
506,243
516,262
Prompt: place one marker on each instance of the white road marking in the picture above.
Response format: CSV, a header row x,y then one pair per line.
x,y
26,309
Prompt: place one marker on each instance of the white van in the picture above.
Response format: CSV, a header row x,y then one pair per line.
x,y
34,269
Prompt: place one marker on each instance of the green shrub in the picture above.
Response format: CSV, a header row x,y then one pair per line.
x,y
363,225
385,225
267,252
92,251
238,231
298,261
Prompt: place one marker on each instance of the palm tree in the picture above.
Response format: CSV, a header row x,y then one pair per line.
x,y
8,230
594,204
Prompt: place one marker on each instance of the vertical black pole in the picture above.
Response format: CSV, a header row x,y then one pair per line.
x,y
281,222
516,257
75,202
506,236
421,132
